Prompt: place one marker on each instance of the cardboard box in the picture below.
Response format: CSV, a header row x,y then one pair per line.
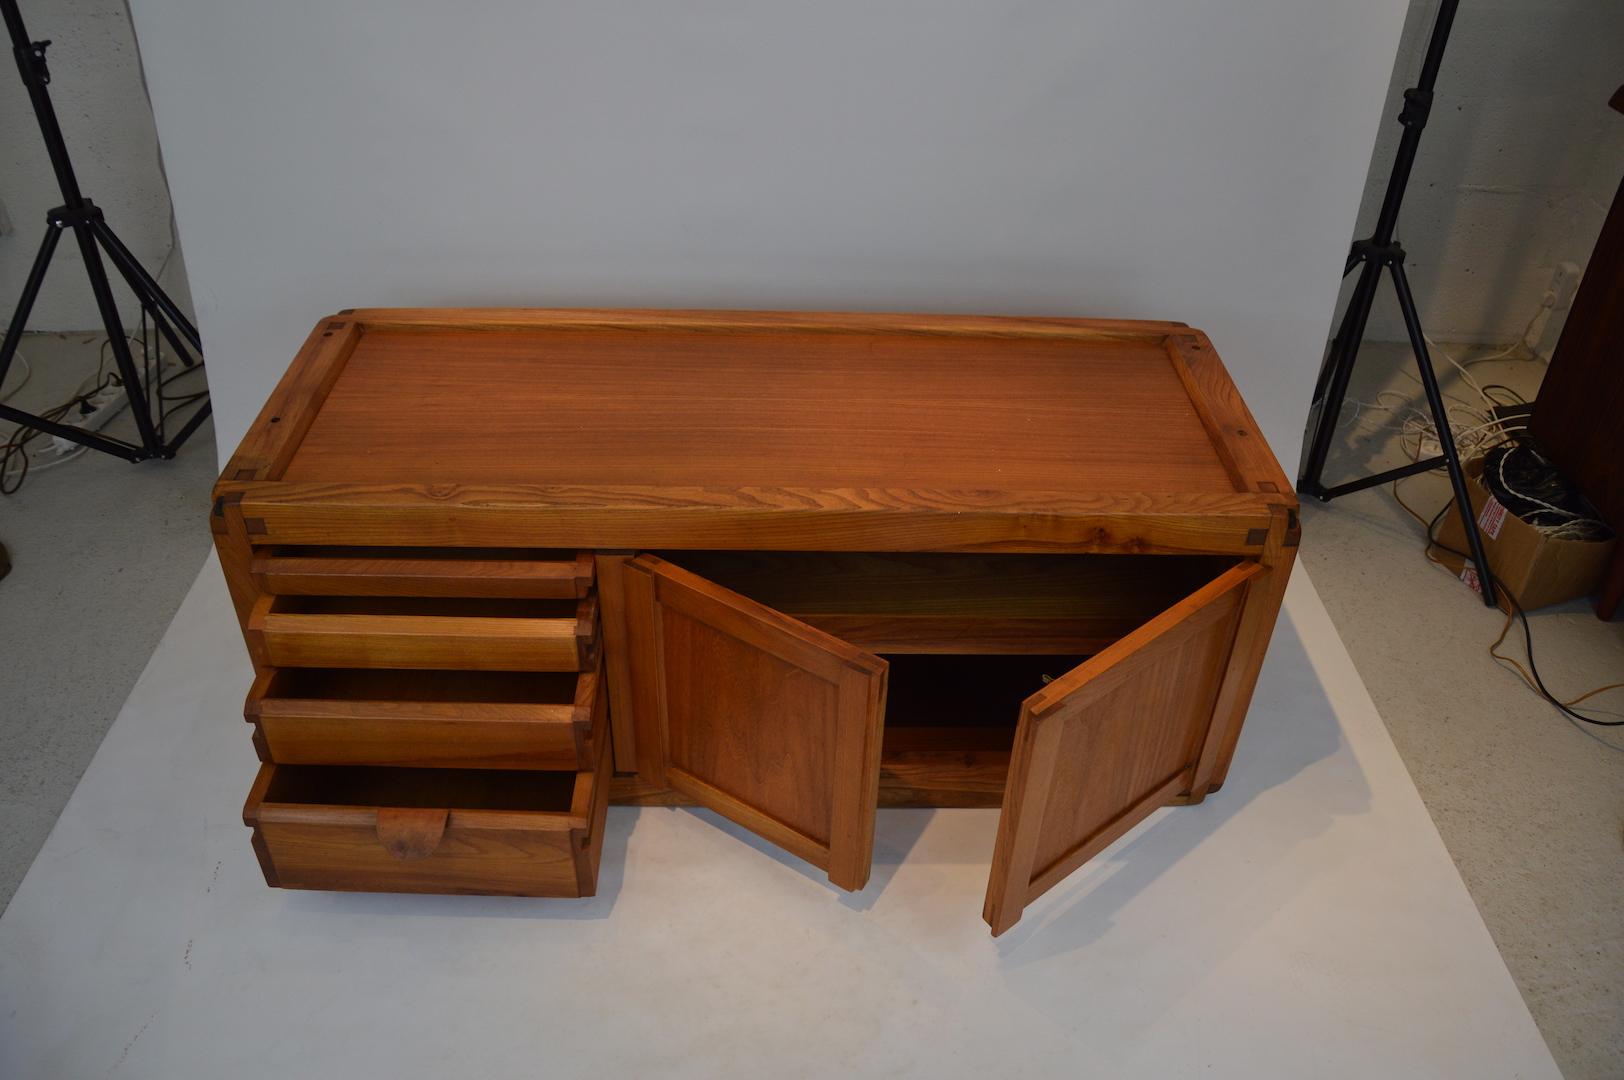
x,y
1537,569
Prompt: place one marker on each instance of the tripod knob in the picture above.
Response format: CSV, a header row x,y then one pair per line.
x,y
35,55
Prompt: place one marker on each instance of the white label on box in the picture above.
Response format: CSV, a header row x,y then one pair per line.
x,y
1468,574
1492,518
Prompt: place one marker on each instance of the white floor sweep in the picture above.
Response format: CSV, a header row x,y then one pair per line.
x,y
1304,921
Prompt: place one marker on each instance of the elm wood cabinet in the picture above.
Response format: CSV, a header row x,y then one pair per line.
x,y
497,569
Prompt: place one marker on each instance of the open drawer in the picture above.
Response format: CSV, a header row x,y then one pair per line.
x,y
429,830
448,633
1129,692
439,719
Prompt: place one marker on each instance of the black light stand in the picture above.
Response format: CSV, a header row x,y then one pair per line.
x,y
93,234
1372,255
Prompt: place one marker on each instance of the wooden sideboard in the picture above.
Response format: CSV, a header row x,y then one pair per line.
x,y
498,569
1578,418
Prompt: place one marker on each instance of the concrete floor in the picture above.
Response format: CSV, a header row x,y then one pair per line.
x,y
102,553
1528,805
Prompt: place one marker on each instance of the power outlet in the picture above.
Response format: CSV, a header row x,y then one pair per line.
x,y
1542,332
93,415
1564,284
105,404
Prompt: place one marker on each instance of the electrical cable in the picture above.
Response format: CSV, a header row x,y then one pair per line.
x,y
16,446
1505,628
15,463
1507,353
28,373
1528,647
1516,398
1531,675
1530,487
1421,426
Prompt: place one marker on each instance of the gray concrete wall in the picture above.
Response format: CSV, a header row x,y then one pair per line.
x,y
1518,165
97,89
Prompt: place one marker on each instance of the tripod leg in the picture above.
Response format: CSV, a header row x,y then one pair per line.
x,y
25,303
1446,438
181,349
1344,332
144,285
114,326
203,410
1335,374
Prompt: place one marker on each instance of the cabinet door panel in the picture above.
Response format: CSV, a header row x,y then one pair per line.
x,y
770,723
1101,747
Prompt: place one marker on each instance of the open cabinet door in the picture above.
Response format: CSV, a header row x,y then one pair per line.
x,y
1101,747
763,719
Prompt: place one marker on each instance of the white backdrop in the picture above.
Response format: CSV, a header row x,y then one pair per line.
x,y
1179,159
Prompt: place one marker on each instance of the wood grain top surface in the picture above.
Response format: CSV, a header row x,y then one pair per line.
x,y
688,408
774,430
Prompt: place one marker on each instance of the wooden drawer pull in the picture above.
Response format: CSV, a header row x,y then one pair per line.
x,y
411,833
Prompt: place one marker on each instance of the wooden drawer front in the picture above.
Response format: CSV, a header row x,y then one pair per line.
x,y
513,573
389,830
396,632
439,719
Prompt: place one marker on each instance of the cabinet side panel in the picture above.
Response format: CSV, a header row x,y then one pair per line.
x,y
236,554
612,602
1258,619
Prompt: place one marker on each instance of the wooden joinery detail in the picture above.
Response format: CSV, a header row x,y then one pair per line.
x,y
233,547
